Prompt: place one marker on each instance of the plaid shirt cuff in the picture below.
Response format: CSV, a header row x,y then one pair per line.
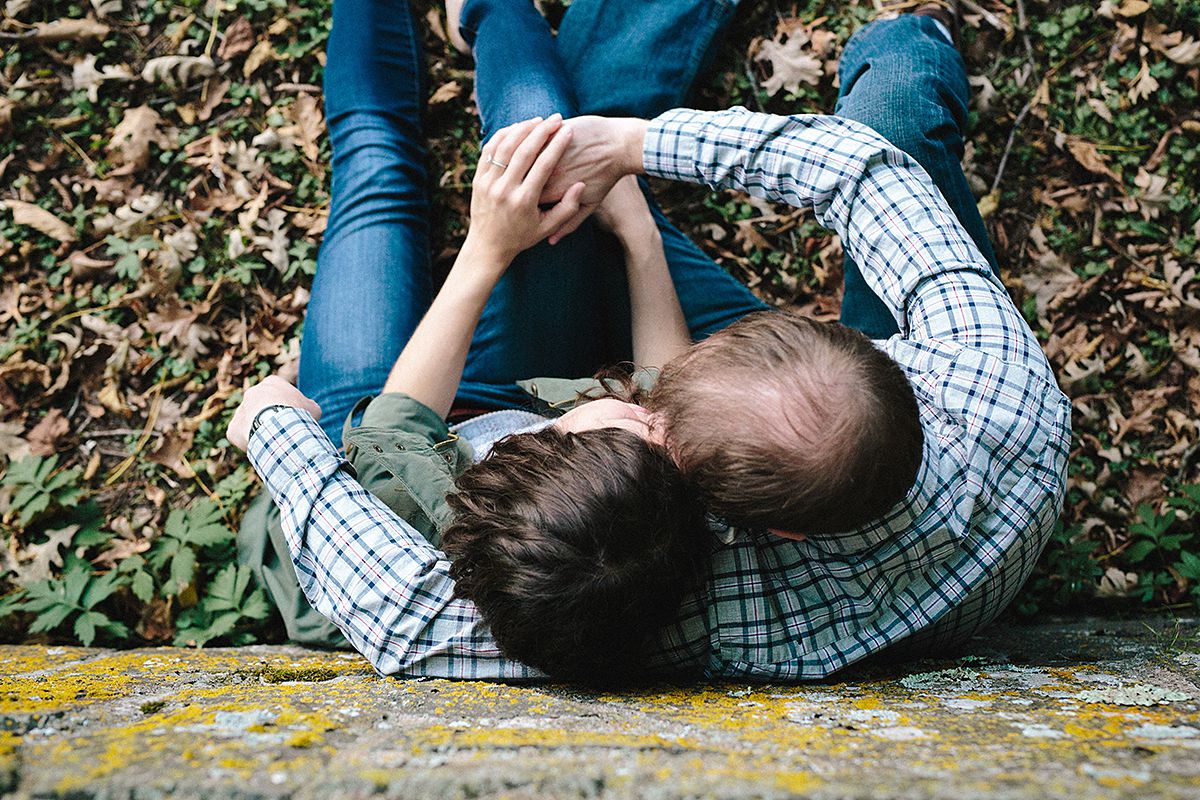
x,y
669,150
287,444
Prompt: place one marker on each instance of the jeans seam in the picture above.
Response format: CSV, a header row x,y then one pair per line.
x,y
714,24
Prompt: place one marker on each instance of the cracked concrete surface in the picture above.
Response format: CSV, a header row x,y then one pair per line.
x,y
1079,709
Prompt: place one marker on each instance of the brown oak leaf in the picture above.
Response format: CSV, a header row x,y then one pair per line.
x,y
43,437
792,61
131,139
39,219
1090,158
69,30
176,323
239,39
306,112
171,451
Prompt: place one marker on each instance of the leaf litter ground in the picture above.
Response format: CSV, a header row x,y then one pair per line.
x,y
166,184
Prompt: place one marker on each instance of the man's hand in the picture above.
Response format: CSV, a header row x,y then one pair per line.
x,y
602,150
271,391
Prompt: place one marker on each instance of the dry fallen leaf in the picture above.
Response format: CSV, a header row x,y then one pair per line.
x,y
132,137
1049,275
32,563
177,71
84,266
791,62
1144,84
306,112
174,322
261,54
1132,8
6,112
39,219
43,437
1090,158
1116,583
105,7
84,75
171,451
13,446
69,30
273,241
445,93
239,39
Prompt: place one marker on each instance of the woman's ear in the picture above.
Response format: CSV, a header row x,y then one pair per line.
x,y
799,537
658,431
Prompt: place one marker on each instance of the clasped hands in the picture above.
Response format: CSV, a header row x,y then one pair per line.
x,y
573,164
536,179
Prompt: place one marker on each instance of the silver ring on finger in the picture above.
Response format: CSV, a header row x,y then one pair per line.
x,y
499,164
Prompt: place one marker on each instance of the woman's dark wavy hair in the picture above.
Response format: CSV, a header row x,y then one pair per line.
x,y
577,548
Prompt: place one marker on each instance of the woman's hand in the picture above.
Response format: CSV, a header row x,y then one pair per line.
x,y
513,169
625,213
270,391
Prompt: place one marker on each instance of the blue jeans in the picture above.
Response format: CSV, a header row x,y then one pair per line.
x,y
559,311
905,80
562,310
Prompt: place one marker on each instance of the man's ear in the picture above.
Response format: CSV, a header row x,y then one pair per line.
x,y
799,537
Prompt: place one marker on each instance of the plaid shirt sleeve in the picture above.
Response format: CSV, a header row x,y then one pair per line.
x,y
364,568
893,221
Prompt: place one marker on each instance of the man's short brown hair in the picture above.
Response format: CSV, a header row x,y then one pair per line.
x,y
577,548
784,422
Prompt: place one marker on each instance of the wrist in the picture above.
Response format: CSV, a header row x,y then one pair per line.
x,y
631,140
481,263
639,238
261,414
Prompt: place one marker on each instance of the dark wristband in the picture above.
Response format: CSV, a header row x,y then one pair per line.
x,y
258,418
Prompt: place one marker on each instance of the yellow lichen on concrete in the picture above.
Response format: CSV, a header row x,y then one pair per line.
x,y
41,680
321,725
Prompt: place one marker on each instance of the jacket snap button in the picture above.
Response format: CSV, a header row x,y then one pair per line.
x,y
378,449
399,447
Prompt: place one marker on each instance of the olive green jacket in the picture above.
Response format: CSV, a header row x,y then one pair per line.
x,y
405,454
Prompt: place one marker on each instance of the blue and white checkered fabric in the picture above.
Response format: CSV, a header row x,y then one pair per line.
x,y
946,560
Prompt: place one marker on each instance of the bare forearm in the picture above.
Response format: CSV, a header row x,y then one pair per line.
x,y
660,330
430,367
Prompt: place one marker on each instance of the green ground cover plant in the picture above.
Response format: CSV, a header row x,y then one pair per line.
x,y
164,184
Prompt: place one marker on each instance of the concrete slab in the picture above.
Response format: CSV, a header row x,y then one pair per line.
x,y
1081,709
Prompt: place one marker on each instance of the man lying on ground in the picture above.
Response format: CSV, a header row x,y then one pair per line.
x,y
988,485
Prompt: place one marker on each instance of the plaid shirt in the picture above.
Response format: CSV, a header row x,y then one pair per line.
x,y
947,559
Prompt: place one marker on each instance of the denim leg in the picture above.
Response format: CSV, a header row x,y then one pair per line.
x,y
639,59
545,317
633,58
711,298
373,281
905,80
518,71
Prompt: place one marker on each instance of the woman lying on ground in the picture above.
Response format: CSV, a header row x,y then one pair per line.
x,y
575,537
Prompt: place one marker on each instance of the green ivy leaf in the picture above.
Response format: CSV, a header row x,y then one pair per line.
x,y
1189,566
1137,552
85,626
51,618
142,586
183,568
